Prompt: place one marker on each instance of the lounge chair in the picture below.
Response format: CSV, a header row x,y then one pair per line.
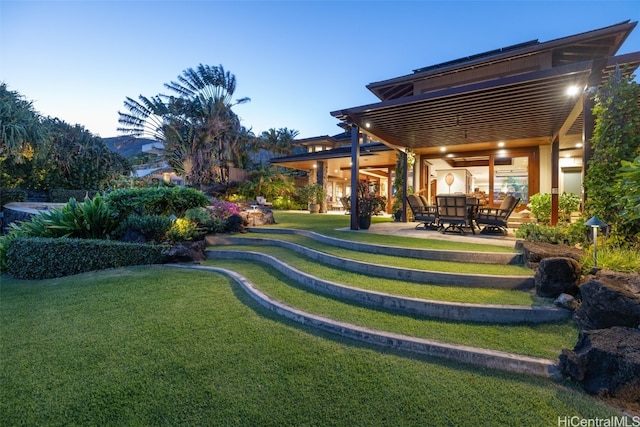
x,y
495,220
263,202
453,214
427,215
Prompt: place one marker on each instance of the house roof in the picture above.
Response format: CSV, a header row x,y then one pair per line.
x,y
528,107
373,155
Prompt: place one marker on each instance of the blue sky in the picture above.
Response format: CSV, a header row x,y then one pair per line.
x,y
296,60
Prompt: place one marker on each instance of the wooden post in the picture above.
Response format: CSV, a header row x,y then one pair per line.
x,y
555,166
355,169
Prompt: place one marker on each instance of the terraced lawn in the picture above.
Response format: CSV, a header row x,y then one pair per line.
x,y
396,287
158,346
404,262
545,340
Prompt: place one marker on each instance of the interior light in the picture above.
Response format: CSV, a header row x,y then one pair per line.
x,y
367,125
450,155
579,145
501,144
502,152
443,149
567,156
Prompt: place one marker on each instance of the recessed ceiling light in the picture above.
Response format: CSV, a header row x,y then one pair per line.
x,y
502,152
443,149
573,90
501,144
579,145
450,155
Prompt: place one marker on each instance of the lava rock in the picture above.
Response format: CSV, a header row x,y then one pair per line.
x,y
607,363
557,275
609,299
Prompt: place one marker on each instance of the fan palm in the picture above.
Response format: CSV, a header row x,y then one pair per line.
x,y
199,130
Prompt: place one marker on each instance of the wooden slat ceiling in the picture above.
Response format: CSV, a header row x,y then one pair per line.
x,y
531,106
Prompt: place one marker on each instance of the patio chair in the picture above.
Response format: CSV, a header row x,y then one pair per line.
x,y
263,201
452,212
346,202
427,215
495,220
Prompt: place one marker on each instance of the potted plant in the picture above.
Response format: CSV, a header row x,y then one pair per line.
x,y
313,194
368,204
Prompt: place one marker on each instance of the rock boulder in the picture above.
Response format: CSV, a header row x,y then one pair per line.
x,y
609,299
186,252
607,363
257,217
557,275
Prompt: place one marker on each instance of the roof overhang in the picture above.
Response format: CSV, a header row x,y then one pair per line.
x,y
532,108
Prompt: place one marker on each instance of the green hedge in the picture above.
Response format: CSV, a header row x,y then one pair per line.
x,y
8,195
156,201
43,258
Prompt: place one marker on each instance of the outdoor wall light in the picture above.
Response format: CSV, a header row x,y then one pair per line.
x,y
595,223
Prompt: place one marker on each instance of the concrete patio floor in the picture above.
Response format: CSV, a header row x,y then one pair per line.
x,y
407,229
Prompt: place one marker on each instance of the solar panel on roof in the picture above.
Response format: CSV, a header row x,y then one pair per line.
x,y
476,56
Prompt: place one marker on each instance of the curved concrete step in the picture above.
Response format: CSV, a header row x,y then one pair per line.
x,y
432,254
386,271
493,359
488,313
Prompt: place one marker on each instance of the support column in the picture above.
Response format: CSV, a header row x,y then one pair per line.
x,y
587,134
355,168
322,178
405,173
555,166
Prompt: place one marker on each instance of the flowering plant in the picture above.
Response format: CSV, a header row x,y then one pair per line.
x,y
222,210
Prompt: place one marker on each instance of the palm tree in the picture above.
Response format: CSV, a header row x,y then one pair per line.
x,y
279,141
199,130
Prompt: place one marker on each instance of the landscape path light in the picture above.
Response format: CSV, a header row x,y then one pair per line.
x,y
595,223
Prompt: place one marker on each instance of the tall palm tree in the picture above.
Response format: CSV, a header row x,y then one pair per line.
x,y
196,123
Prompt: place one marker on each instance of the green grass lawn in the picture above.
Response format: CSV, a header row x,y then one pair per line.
x,y
404,262
539,340
391,286
155,346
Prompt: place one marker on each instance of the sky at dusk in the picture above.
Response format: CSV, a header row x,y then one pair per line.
x,y
296,60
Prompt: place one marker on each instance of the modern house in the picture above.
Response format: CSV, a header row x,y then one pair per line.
x,y
515,120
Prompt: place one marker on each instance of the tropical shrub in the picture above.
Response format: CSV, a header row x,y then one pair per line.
x,y
145,228
540,206
616,139
41,258
628,203
571,234
156,201
92,219
222,209
612,257
182,230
